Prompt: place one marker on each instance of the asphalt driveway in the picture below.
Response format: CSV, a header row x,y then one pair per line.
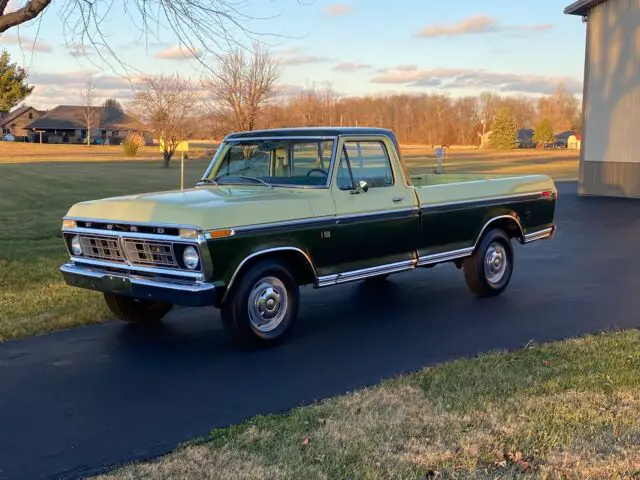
x,y
77,402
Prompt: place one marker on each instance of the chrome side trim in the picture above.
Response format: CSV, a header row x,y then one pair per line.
x,y
265,252
445,256
493,219
361,274
476,200
131,268
539,235
326,218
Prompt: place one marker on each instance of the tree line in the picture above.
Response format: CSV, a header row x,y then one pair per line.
x,y
242,93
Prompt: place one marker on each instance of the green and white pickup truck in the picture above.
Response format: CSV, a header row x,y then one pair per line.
x,y
279,209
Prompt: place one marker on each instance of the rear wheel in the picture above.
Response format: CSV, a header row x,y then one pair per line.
x,y
262,307
137,311
488,271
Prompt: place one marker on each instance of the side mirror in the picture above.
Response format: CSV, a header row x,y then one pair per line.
x,y
362,186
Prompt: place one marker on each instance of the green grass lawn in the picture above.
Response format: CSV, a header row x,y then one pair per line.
x,y
33,199
567,410
35,195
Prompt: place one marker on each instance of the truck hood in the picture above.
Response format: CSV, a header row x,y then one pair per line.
x,y
207,207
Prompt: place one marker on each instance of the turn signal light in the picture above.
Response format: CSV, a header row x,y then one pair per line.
x,y
69,224
223,233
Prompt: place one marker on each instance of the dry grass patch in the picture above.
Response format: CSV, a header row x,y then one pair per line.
x,y
18,152
559,411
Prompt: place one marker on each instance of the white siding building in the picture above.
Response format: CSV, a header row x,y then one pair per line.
x,y
610,150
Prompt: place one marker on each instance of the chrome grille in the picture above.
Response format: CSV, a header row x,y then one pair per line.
x,y
102,248
150,253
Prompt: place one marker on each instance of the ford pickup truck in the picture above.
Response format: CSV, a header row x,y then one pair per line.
x,y
284,208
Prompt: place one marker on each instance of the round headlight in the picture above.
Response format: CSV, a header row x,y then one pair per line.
x,y
76,247
190,258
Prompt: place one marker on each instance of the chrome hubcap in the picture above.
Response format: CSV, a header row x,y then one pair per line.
x,y
268,303
495,262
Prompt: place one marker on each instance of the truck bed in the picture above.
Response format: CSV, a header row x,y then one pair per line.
x,y
461,187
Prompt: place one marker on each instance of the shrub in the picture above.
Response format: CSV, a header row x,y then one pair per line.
x,y
132,143
504,131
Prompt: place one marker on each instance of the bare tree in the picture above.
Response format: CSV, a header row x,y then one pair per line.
x,y
242,85
168,104
202,26
89,111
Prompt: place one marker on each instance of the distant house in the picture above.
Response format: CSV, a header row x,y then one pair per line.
x,y
15,122
562,138
67,124
574,142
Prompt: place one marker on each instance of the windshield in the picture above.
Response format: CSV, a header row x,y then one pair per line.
x,y
273,162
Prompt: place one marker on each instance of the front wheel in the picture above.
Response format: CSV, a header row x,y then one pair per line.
x,y
261,310
133,310
488,271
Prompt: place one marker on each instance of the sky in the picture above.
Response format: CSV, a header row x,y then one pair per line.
x,y
457,47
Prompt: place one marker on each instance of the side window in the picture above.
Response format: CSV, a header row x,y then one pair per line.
x,y
364,160
312,156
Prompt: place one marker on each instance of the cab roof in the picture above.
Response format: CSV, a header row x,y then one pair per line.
x,y
311,132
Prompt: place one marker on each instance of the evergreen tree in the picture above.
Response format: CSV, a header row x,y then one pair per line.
x,y
543,132
13,86
504,131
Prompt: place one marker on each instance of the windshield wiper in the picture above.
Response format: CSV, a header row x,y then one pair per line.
x,y
256,179
243,177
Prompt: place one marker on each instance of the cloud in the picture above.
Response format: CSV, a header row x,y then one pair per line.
x,y
304,59
477,25
351,67
337,9
25,43
178,52
461,78
78,78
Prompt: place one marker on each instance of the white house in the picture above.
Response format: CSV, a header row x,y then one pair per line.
x,y
610,147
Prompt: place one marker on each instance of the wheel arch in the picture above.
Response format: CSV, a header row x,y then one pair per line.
x,y
302,266
508,222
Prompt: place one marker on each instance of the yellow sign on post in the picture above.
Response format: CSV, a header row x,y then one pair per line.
x,y
182,147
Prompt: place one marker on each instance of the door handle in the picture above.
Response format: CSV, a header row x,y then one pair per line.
x,y
398,199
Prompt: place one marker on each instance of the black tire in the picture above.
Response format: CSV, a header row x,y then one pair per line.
x,y
478,278
133,310
250,295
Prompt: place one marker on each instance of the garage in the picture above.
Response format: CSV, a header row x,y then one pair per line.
x,y
610,146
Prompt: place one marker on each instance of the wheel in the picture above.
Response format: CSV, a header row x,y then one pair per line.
x,y
262,307
488,271
137,311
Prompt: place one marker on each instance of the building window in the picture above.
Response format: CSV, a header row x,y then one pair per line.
x,y
30,115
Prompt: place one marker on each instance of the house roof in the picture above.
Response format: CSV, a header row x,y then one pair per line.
x,y
582,7
11,116
70,117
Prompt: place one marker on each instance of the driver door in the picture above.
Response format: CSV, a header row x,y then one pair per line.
x,y
378,226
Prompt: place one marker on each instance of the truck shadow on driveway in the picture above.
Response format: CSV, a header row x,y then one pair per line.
x,y
76,402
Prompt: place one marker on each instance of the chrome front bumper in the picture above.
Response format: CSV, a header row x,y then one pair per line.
x,y
187,294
